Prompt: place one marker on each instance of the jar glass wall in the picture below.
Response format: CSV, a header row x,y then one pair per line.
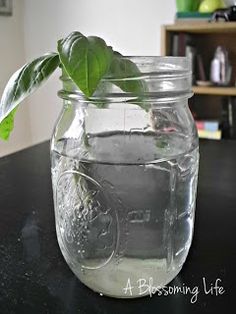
x,y
124,173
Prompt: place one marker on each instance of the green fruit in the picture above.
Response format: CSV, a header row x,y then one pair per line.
x,y
208,6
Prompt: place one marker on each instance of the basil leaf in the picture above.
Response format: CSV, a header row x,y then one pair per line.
x,y
7,125
25,81
122,68
85,59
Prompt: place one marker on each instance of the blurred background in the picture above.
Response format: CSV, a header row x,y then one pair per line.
x,y
131,27
203,30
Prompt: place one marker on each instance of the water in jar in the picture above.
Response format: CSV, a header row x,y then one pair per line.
x,y
126,213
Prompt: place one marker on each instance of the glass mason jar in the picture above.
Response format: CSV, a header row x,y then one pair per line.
x,y
124,173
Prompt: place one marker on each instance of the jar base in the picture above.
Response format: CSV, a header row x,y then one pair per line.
x,y
132,278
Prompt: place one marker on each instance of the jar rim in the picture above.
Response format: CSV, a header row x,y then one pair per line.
x,y
166,77
156,65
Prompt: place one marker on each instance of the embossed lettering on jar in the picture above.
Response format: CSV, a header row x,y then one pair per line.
x,y
124,173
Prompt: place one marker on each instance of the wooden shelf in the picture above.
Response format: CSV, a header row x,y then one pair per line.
x,y
206,37
212,90
200,28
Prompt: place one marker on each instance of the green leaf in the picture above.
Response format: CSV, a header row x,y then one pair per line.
x,y
85,59
7,125
122,68
126,75
24,82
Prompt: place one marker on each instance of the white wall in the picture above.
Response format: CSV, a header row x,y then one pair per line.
x,y
11,58
130,26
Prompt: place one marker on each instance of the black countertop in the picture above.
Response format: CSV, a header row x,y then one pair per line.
x,y
34,278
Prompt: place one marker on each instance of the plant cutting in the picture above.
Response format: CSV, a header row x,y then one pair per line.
x,y
124,162
85,60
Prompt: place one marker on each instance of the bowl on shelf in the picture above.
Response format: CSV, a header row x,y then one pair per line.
x,y
187,5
